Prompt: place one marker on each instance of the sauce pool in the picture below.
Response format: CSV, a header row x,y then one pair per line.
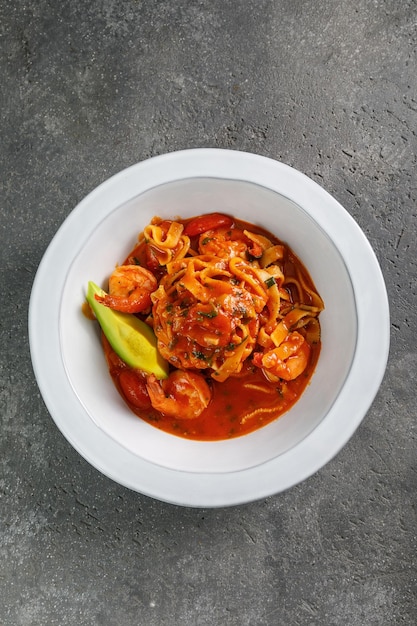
x,y
238,406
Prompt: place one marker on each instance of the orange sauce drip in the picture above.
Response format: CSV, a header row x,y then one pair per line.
x,y
87,311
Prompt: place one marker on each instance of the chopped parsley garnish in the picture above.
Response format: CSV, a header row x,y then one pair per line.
x,y
240,310
199,355
208,314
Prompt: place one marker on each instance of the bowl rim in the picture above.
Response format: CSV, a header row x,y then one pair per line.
x,y
200,489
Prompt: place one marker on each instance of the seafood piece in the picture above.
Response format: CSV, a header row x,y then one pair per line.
x,y
130,288
184,395
287,361
224,243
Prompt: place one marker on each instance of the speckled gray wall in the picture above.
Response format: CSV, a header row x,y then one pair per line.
x,y
89,88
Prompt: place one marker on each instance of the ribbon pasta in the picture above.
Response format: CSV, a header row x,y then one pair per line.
x,y
225,296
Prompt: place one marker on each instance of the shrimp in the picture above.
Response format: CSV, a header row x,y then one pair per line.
x,y
219,243
184,395
227,243
130,288
287,361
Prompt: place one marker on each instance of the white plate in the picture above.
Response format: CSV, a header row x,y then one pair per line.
x,y
53,332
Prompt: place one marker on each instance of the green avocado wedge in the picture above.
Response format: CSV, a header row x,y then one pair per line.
x,y
132,340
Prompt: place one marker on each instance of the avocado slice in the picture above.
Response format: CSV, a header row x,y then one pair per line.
x,y
132,340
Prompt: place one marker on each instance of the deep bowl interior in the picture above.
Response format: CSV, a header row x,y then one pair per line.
x,y
108,244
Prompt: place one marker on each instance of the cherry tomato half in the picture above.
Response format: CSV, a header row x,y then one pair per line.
x,y
207,222
134,389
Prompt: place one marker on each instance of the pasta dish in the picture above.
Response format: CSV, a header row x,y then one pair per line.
x,y
235,315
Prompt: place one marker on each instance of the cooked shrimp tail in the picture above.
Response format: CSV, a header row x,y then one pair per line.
x,y
184,395
140,302
130,288
287,361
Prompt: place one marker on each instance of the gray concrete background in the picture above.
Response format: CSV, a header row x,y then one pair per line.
x,y
91,87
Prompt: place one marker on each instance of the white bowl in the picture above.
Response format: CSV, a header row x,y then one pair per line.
x,y
68,359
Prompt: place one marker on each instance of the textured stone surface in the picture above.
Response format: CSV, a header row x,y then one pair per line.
x,y
89,88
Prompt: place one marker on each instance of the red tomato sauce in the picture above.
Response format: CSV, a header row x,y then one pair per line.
x,y
231,401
